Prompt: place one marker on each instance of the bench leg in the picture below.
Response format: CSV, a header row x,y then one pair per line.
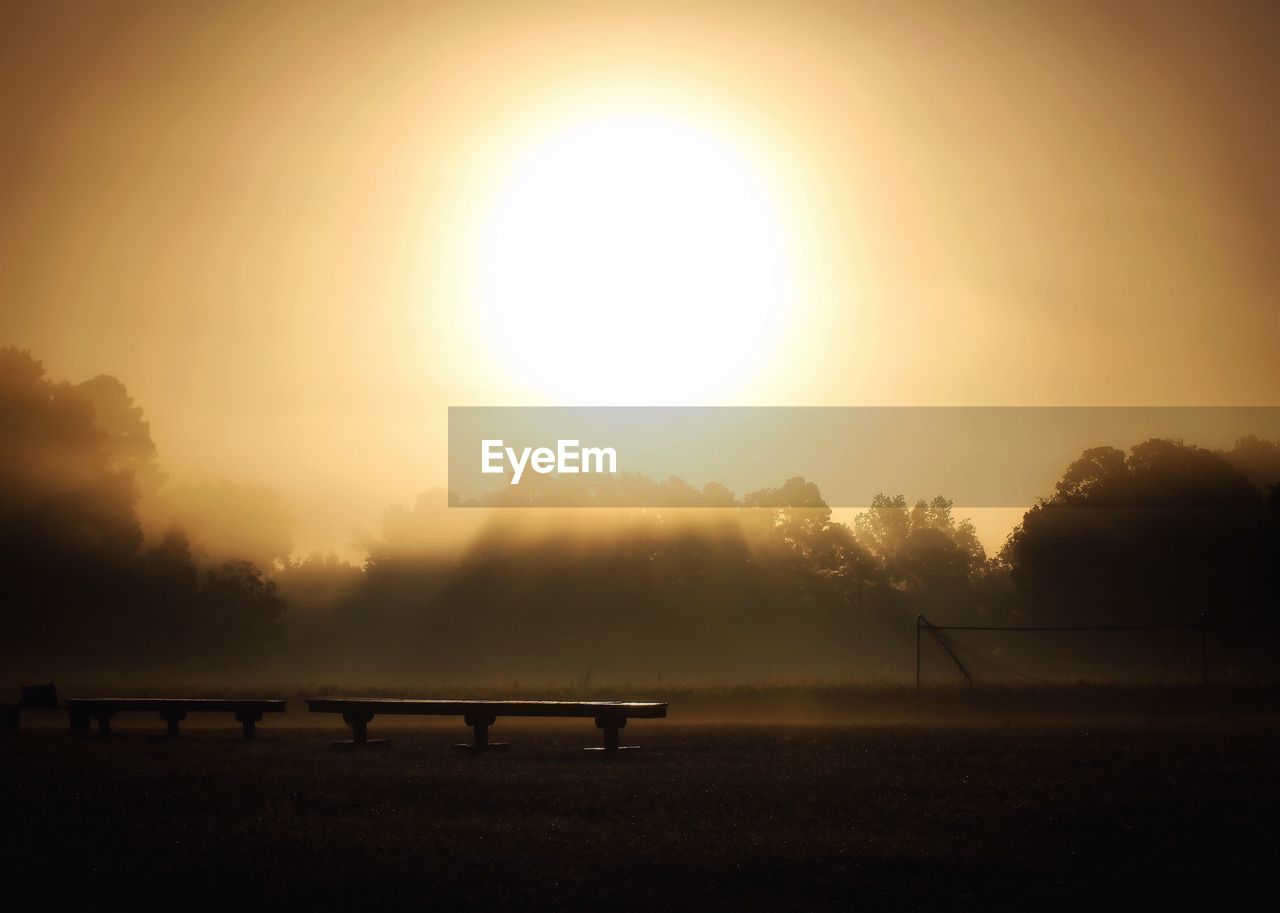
x,y
79,721
248,719
359,723
480,733
173,717
610,728
610,725
104,721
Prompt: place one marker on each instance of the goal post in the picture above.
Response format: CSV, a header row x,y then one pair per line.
x,y
972,656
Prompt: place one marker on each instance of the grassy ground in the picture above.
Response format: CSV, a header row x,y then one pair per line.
x,y
707,817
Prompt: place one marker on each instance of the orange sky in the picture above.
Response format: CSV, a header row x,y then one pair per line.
x,y
258,215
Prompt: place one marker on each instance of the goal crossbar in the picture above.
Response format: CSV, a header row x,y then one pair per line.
x,y
924,626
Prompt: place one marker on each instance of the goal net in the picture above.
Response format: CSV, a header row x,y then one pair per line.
x,y
951,656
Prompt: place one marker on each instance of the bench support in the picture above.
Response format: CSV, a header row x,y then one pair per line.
x,y
480,733
248,720
173,716
610,726
104,721
80,712
359,720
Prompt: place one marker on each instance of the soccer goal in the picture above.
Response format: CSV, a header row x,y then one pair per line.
x,y
969,656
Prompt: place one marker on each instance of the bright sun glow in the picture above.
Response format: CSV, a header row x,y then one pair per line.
x,y
632,260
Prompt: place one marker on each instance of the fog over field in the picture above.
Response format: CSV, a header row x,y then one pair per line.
x,y
117,574
880,507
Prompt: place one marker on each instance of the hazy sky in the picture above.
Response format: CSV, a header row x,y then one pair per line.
x,y
275,222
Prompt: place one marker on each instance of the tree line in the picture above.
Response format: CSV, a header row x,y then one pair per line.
x,y
766,585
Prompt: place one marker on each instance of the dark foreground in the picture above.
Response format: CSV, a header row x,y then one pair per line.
x,y
706,818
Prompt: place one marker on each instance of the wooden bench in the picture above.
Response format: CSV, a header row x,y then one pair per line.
x,y
34,697
171,710
610,716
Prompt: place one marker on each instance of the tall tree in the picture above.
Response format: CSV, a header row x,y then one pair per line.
x,y
1162,534
128,434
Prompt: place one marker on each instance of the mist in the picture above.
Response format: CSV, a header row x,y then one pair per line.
x,y
120,574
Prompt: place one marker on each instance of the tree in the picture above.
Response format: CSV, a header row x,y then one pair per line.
x,y
1257,460
234,521
80,588
169,593
128,436
796,511
1162,534
925,554
315,585
241,611
61,488
69,533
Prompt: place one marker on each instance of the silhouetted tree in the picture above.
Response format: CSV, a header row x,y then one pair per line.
x,y
233,521
128,435
80,590
242,613
1162,534
68,532
1257,460
936,564
168,597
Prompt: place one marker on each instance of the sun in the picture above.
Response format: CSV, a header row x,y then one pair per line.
x,y
631,259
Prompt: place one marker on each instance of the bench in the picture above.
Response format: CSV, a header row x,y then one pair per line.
x,y
35,697
610,716
171,710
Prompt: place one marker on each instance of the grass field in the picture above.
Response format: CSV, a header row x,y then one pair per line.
x,y
705,816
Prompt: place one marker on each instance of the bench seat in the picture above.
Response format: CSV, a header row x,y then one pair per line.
x,y
34,697
171,710
609,716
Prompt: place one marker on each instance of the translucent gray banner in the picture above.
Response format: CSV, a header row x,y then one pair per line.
x,y
716,456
